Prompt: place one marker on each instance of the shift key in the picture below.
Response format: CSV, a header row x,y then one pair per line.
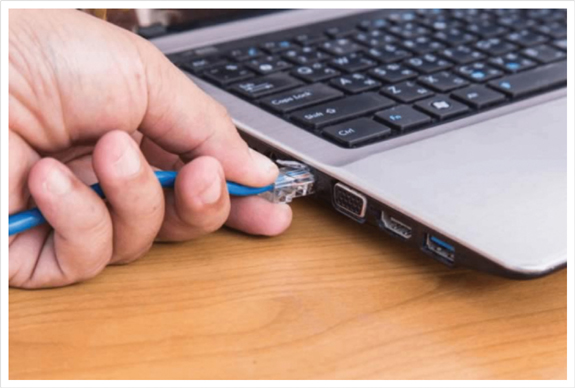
x,y
532,81
340,110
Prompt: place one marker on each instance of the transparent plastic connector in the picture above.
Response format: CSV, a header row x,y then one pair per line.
x,y
294,180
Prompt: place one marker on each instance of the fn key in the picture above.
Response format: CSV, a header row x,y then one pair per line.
x,y
356,132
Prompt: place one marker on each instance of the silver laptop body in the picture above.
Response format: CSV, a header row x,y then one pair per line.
x,y
491,186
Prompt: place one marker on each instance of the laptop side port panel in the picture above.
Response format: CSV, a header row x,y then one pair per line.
x,y
394,226
440,249
349,202
429,241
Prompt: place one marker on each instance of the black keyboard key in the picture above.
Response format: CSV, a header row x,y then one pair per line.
x,y
310,39
441,23
526,38
268,65
341,110
532,81
503,12
199,64
516,22
341,46
184,56
374,38
428,63
560,44
300,98
553,30
478,96
355,83
340,31
403,118
406,92
544,54
402,17
305,56
546,14
434,13
495,46
454,37
443,81
409,30
388,53
372,24
422,45
262,86
469,15
356,132
512,63
245,53
393,73
352,63
278,46
227,74
315,72
478,72
441,107
462,55
487,29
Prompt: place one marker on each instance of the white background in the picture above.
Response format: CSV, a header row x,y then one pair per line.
x,y
6,5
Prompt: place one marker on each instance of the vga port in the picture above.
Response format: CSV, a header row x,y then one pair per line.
x,y
349,201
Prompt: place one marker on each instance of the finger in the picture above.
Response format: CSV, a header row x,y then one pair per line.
x,y
134,195
199,203
81,244
191,123
25,251
258,216
159,157
21,159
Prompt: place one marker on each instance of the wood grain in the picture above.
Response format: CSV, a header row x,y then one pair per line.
x,y
330,299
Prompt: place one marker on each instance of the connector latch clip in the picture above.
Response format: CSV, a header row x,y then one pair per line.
x,y
294,180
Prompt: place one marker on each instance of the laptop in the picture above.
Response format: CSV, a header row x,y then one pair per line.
x,y
444,128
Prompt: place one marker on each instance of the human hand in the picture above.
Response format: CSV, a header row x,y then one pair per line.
x,y
91,102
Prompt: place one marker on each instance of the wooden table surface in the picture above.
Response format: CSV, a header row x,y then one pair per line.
x,y
328,299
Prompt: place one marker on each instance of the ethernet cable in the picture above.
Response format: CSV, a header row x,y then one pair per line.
x,y
294,180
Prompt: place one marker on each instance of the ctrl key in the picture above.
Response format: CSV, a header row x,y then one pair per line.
x,y
356,132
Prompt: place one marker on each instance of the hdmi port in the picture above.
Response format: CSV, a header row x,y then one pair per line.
x,y
395,226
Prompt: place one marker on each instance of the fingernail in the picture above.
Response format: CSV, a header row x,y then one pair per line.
x,y
128,161
263,162
212,193
58,182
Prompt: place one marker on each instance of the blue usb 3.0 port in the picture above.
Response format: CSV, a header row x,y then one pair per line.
x,y
442,250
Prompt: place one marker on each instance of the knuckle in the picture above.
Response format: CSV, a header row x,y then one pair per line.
x,y
217,220
221,112
92,264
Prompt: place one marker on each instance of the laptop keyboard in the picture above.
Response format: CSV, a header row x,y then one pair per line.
x,y
372,77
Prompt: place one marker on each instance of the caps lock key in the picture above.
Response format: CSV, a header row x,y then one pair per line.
x,y
300,98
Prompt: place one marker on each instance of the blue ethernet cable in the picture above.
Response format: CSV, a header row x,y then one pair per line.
x,y
28,219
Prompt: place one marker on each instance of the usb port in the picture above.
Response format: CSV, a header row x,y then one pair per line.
x,y
440,249
395,226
